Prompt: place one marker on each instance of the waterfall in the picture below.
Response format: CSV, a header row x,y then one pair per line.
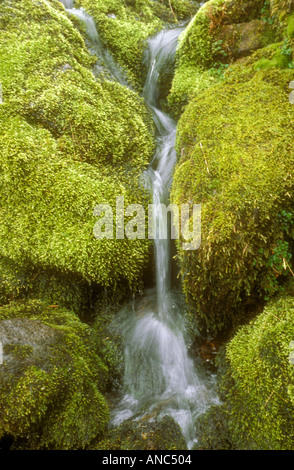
x,y
105,60
159,374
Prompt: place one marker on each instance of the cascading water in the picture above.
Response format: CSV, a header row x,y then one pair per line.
x,y
105,60
159,374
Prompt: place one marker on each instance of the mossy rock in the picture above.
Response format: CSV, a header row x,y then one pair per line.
x,y
160,434
212,430
221,32
47,78
126,26
48,205
197,42
52,379
257,384
228,164
69,142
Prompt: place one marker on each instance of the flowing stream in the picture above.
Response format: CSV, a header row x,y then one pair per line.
x,y
160,378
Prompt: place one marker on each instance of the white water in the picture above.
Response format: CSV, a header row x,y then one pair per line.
x,y
160,378
105,59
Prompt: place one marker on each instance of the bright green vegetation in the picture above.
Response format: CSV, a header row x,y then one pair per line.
x,y
72,139
68,143
256,386
229,164
53,379
218,35
47,209
126,26
159,434
265,388
235,157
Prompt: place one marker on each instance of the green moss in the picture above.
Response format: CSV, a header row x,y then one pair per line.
x,y
12,281
69,142
188,81
212,430
259,379
282,57
57,230
197,43
228,164
47,78
51,396
211,42
126,26
160,434
290,27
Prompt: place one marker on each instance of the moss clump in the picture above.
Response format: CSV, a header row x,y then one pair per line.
x,y
47,78
69,141
212,430
188,81
12,281
258,383
281,57
52,379
228,164
219,33
47,204
290,27
160,434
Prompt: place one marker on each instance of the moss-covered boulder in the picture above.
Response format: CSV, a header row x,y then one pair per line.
x,y
159,434
52,379
221,32
126,26
212,430
47,216
236,160
199,41
69,141
258,383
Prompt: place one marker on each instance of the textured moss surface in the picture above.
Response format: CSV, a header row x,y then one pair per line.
x,y
260,398
160,434
68,142
221,32
237,161
126,26
52,379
